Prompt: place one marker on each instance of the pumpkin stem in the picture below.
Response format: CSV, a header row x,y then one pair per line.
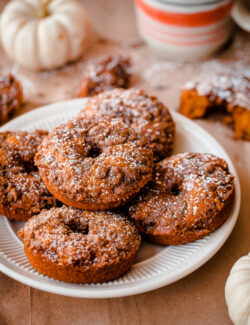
x,y
43,10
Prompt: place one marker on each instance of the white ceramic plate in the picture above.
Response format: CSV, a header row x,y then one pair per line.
x,y
156,266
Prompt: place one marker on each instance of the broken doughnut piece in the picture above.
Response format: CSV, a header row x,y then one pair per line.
x,y
227,93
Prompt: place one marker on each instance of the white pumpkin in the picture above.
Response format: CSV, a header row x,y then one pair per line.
x,y
237,292
44,34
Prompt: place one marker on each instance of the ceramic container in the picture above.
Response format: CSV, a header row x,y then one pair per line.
x,y
186,29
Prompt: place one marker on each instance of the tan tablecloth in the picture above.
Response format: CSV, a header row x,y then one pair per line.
x,y
198,298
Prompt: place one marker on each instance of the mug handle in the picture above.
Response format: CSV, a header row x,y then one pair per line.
x,y
241,15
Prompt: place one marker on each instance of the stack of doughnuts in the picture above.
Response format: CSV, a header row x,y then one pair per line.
x,y
88,189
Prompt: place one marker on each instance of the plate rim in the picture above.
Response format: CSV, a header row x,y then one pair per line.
x,y
55,109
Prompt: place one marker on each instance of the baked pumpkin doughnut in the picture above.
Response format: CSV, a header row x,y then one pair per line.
x,y
189,197
94,164
22,192
145,114
224,92
108,73
11,97
80,246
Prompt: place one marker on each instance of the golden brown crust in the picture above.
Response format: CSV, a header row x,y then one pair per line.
x,y
227,93
145,114
22,192
108,73
94,164
79,246
190,196
11,97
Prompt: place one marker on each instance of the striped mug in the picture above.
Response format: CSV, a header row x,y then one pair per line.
x,y
188,29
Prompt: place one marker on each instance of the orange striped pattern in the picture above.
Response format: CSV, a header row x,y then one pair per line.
x,y
148,26
197,19
213,39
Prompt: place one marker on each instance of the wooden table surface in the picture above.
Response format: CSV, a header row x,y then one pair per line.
x,y
198,298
